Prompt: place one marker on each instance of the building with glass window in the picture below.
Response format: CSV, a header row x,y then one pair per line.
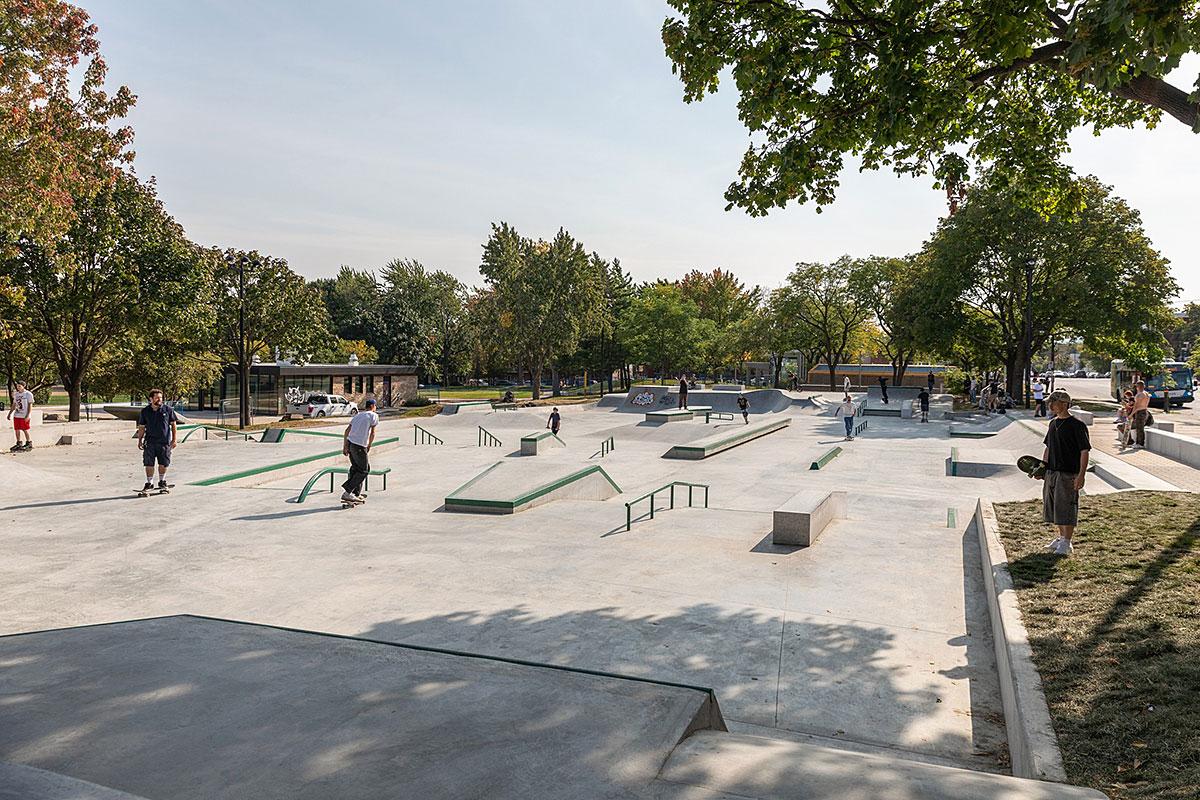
x,y
389,384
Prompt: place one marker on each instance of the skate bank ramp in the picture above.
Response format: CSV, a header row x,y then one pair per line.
x,y
193,708
648,397
508,487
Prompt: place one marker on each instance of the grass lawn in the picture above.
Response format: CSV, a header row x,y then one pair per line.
x,y
1115,631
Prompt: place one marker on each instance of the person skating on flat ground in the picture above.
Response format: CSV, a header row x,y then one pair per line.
x,y
356,443
683,390
846,410
929,381
20,414
883,388
923,400
744,406
555,421
156,432
1067,451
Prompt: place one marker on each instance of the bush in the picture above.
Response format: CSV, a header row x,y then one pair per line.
x,y
42,396
417,402
955,380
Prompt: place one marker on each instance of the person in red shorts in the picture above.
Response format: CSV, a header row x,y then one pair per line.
x,y
20,413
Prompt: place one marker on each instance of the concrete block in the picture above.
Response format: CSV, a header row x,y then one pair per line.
x,y
534,443
1175,446
1086,417
906,409
1169,427
802,518
670,415
729,387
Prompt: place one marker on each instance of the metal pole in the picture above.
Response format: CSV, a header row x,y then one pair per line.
x,y
1027,367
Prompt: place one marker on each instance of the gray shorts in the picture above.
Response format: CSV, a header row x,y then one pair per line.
x,y
1060,501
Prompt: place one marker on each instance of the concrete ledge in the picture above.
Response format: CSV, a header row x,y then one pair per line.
x,y
802,518
1086,417
304,465
1122,475
1031,739
729,436
532,443
669,415
504,488
19,782
980,463
1173,445
1169,427
729,387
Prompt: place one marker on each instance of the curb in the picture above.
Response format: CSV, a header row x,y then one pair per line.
x,y
1032,742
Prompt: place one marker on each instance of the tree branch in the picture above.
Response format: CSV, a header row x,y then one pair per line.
x,y
1040,55
1159,94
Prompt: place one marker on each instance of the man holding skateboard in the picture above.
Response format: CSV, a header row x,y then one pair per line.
x,y
356,443
156,432
1066,458
20,414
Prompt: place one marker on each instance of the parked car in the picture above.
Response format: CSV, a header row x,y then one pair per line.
x,y
324,405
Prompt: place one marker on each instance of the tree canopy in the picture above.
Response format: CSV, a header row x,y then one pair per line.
x,y
928,86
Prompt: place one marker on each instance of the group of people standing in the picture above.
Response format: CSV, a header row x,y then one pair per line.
x,y
1134,415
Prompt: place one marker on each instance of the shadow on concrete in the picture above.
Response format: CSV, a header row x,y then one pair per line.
x,y
55,503
765,545
288,514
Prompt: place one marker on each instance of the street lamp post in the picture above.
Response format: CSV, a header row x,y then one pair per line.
x,y
1028,346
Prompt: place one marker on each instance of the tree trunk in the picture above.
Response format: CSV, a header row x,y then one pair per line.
x,y
555,389
1012,369
778,369
535,375
74,393
831,362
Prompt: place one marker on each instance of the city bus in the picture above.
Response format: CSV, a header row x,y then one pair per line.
x,y
1122,378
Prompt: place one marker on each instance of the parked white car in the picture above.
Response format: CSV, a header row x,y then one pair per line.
x,y
324,405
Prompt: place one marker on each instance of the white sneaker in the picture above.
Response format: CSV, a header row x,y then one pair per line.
x,y
1053,543
349,498
1064,548
362,497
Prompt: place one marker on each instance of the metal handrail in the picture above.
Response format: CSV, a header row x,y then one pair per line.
x,y
331,471
422,436
607,446
486,439
651,494
245,436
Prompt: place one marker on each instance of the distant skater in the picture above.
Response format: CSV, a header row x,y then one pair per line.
x,y
929,381
683,390
156,438
744,407
555,421
1039,398
923,399
846,385
883,387
356,443
846,410
20,414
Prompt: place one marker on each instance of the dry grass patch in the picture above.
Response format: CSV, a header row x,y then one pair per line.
x,y
1115,630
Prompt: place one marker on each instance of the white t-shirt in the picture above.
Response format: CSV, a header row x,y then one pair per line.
x,y
22,404
360,427
847,408
1038,389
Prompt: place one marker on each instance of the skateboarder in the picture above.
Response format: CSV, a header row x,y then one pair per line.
x,y
1039,398
923,399
846,410
1066,455
846,385
929,381
156,435
555,421
744,406
20,414
883,387
683,390
356,443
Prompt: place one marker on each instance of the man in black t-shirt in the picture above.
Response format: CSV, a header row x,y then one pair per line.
x,y
156,434
1068,449
923,402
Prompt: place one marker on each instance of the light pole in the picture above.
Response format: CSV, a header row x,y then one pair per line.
x,y
1028,327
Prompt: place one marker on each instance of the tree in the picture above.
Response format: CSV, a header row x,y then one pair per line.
x,y
123,264
58,144
26,355
821,298
1004,278
888,287
339,351
929,85
600,349
663,329
260,304
548,294
352,299
720,297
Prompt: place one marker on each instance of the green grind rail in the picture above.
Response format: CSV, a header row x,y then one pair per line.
x,y
247,473
832,453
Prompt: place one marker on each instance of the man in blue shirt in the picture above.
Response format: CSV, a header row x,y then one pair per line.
x,y
156,434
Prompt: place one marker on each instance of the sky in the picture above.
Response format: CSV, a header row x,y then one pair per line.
x,y
358,132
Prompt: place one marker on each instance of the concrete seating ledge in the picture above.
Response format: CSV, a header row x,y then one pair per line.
x,y
725,438
1086,417
531,443
805,515
1175,446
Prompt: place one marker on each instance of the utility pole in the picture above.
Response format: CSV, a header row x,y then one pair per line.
x,y
243,355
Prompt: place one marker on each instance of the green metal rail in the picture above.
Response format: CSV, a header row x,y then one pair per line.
x,y
833,453
331,471
206,428
486,439
670,486
247,473
860,427
422,436
708,415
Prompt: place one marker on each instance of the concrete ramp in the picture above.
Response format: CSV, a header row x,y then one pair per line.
x,y
980,463
508,487
744,766
726,437
649,397
192,708
19,782
465,406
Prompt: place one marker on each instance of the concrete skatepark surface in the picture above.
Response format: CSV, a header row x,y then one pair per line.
x,y
875,640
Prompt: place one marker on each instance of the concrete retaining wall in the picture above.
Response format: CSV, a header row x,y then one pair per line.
x,y
1175,446
1031,739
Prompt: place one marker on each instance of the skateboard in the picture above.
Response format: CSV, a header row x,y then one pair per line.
x,y
155,490
352,503
1032,466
